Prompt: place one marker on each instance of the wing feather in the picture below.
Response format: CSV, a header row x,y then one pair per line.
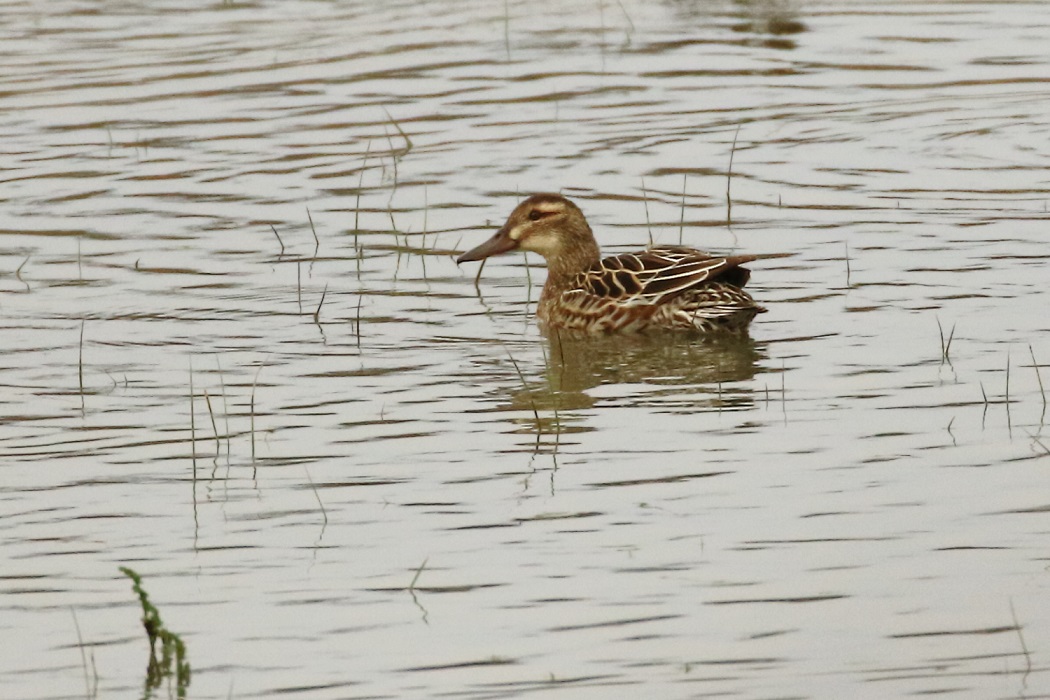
x,y
655,275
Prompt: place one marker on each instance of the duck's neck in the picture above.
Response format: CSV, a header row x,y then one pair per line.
x,y
563,267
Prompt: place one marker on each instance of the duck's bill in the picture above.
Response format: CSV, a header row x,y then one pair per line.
x,y
500,243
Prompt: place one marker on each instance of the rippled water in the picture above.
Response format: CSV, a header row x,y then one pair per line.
x,y
389,483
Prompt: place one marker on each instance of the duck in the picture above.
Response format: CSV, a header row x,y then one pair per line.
x,y
663,287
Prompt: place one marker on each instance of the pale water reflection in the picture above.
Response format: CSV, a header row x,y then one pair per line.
x,y
391,483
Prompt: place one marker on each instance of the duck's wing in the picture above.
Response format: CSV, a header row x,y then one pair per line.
x,y
652,276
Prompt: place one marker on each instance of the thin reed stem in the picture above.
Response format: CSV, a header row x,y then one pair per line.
x,y
360,184
225,407
317,312
645,203
251,409
193,425
628,17
506,27
847,266
317,495
535,411
83,654
1039,378
214,425
80,365
1020,637
419,570
317,241
274,229
18,273
408,141
528,278
681,221
393,159
1007,380
729,177
360,298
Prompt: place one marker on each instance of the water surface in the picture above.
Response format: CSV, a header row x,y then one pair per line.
x,y
390,483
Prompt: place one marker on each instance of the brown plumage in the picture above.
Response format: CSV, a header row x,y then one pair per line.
x,y
664,287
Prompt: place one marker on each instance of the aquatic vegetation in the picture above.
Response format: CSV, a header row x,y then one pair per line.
x,y
172,663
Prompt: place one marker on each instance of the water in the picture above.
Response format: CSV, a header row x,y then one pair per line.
x,y
401,488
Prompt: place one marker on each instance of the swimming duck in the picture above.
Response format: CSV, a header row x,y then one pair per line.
x,y
662,287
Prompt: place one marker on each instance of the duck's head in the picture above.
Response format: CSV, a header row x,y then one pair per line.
x,y
548,224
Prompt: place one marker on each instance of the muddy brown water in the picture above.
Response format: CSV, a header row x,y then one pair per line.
x,y
390,483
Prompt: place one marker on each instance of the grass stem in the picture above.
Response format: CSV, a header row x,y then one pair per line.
x,y
214,425
193,425
1039,378
681,221
1020,637
419,570
848,285
1008,380
506,27
532,403
251,409
317,495
274,229
729,177
645,203
18,273
317,241
360,185
83,654
360,298
225,407
317,312
80,365
408,141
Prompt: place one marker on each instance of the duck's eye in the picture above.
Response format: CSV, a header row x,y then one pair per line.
x,y
535,215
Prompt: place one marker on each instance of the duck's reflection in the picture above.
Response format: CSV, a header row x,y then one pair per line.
x,y
672,370
769,23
